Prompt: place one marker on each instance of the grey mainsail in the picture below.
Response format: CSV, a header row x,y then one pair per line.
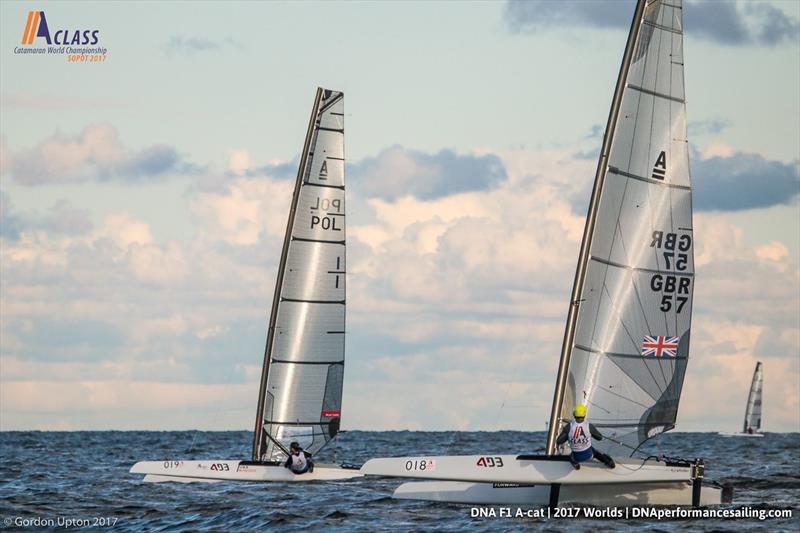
x,y
752,415
626,343
301,384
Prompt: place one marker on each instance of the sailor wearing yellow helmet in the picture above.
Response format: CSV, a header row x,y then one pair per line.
x,y
580,433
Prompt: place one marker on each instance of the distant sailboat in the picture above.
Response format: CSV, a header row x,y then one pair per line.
x,y
626,342
300,395
752,413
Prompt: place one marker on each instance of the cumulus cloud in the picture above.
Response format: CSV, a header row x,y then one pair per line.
x,y
9,223
755,284
183,45
742,23
539,14
449,294
474,287
726,23
247,211
778,342
95,154
125,231
773,251
67,339
197,312
745,309
398,171
284,170
83,402
391,174
134,308
239,161
60,219
743,181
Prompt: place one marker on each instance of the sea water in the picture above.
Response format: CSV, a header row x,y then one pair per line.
x,y
80,480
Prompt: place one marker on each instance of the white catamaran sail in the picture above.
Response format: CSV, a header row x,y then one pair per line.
x,y
627,338
300,396
626,342
752,413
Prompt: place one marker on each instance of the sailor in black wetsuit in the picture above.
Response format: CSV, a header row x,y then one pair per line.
x,y
579,433
299,461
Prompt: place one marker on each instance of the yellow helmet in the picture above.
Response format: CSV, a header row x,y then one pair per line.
x,y
579,411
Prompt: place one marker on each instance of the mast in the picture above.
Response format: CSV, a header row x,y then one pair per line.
x,y
580,272
258,438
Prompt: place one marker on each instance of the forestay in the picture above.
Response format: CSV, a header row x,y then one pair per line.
x,y
301,387
752,416
628,352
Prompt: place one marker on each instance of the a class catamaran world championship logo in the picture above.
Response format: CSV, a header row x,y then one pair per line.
x,y
78,45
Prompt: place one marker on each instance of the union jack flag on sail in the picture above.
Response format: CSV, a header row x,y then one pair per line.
x,y
660,346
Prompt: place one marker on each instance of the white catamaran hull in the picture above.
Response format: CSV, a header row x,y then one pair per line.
x,y
530,479
727,434
214,471
532,469
679,493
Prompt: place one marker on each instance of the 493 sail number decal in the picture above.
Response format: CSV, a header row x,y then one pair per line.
x,y
490,462
675,289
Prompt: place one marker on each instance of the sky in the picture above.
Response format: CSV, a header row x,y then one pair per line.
x,y
143,201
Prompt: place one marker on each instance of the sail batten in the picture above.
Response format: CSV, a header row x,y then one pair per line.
x,y
651,181
288,362
301,391
654,93
630,267
637,356
626,344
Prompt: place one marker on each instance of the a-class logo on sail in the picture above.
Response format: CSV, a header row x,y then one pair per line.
x,y
660,168
36,26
